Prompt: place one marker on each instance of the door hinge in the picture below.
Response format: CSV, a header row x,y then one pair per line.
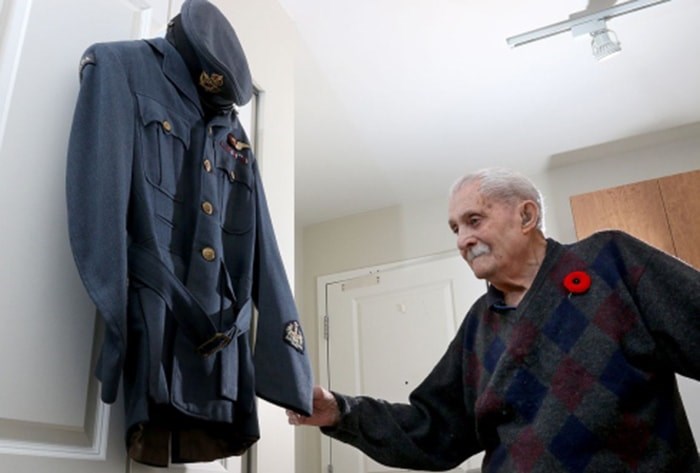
x,y
325,327
329,469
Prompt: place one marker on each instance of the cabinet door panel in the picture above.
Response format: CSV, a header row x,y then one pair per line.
x,y
681,197
636,208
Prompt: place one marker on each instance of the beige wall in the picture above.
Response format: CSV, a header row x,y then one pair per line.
x,y
269,40
399,233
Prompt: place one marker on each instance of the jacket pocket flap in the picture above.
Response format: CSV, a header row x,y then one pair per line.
x,y
172,123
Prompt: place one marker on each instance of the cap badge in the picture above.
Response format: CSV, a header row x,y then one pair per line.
x,y
294,336
211,83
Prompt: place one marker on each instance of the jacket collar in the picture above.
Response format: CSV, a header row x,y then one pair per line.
x,y
176,71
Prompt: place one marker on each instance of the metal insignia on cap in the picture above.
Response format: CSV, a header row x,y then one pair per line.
x,y
294,336
211,83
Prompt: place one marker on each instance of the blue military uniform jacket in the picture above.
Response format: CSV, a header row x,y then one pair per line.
x,y
173,241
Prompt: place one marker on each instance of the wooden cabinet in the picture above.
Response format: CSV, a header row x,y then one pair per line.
x,y
664,212
681,194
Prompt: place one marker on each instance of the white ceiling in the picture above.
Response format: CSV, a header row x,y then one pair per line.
x,y
398,98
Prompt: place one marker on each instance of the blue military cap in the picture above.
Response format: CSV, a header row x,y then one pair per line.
x,y
224,68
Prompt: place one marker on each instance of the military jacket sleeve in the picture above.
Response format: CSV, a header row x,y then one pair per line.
x,y
98,181
272,295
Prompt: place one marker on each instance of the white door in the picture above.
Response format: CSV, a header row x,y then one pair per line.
x,y
386,328
51,419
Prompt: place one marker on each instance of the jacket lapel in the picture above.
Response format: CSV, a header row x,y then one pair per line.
x,y
176,71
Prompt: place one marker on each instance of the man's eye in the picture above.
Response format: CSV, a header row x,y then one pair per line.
x,y
474,221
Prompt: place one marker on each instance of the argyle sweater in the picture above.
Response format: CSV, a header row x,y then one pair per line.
x,y
577,382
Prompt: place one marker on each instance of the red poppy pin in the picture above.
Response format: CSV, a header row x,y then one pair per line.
x,y
577,282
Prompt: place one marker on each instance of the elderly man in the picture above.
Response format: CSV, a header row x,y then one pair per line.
x,y
566,364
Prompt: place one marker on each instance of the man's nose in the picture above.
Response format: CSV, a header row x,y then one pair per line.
x,y
465,239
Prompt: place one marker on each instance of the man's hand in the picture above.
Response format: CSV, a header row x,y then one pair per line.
x,y
325,410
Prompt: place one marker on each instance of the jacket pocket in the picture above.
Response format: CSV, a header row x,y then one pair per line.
x,y
239,201
165,139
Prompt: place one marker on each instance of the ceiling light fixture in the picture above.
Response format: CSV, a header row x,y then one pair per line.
x,y
604,41
604,44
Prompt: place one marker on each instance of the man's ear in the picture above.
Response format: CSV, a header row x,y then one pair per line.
x,y
529,215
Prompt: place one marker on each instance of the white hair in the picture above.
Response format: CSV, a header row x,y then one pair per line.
x,y
504,185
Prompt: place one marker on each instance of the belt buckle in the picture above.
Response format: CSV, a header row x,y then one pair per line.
x,y
214,344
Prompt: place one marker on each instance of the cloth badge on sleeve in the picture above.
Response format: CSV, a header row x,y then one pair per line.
x,y
294,336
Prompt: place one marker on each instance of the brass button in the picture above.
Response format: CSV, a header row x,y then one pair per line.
x,y
207,165
231,176
208,253
207,208
167,126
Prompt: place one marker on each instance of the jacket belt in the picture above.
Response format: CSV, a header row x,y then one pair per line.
x,y
146,267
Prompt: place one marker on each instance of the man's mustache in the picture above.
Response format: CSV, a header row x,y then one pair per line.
x,y
477,250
